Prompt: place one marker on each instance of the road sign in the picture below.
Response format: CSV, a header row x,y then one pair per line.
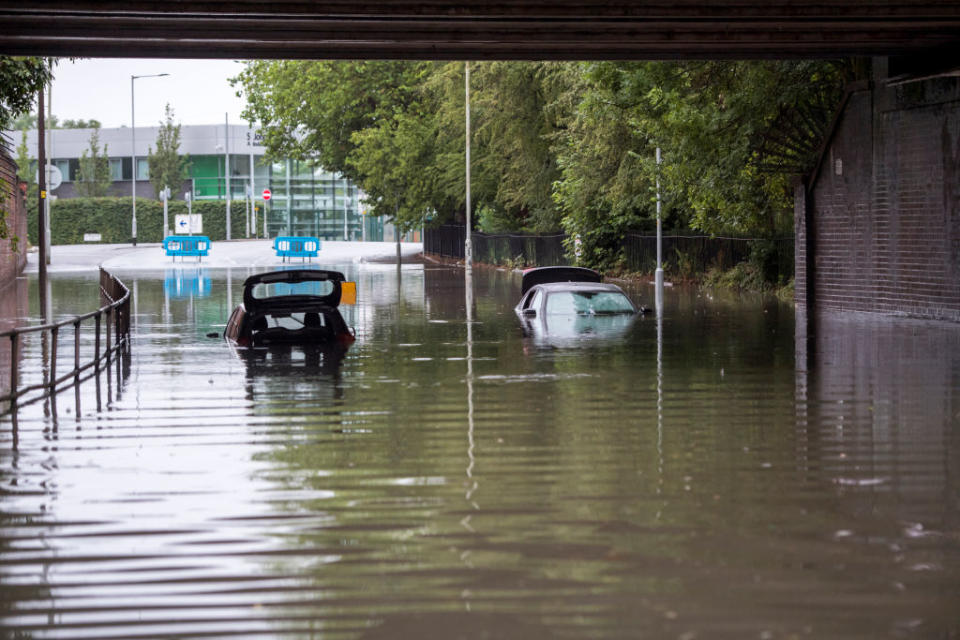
x,y
54,177
192,223
266,194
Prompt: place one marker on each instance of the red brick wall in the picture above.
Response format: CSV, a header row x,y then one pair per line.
x,y
12,262
884,231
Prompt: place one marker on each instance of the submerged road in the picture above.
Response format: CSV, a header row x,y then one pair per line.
x,y
223,254
463,474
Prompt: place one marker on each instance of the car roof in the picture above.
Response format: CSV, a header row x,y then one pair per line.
x,y
543,275
554,287
291,276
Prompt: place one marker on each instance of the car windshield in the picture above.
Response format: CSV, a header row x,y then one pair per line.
x,y
588,302
264,290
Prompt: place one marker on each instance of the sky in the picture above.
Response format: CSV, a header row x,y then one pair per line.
x,y
99,88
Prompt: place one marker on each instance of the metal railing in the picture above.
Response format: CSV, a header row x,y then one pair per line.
x,y
111,320
516,249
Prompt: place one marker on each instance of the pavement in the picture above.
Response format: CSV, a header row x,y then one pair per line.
x,y
223,254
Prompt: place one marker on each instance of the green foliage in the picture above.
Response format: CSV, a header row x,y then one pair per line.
x,y
111,218
27,121
167,167
80,123
559,144
20,80
93,179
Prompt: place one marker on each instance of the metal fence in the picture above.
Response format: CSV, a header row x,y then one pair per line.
x,y
684,255
111,335
516,249
691,255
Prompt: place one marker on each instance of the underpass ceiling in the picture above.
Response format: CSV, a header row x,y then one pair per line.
x,y
505,29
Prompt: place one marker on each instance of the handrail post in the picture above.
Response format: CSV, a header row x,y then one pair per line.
x,y
14,369
96,344
76,353
54,332
108,334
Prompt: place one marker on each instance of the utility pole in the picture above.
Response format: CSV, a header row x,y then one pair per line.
x,y
468,242
658,276
42,200
48,138
226,164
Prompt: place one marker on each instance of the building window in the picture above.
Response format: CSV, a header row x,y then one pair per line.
x,y
64,166
116,168
143,169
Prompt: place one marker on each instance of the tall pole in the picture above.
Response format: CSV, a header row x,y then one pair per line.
x,y
133,165
253,208
226,164
468,243
658,276
49,142
133,155
41,201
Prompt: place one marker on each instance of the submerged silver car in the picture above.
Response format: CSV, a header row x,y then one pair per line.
x,y
547,291
566,306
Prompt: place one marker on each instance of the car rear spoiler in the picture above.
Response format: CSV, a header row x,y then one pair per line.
x,y
543,275
294,276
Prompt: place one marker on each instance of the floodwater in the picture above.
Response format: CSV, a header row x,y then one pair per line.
x,y
708,474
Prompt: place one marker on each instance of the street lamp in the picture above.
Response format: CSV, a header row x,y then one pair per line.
x,y
133,152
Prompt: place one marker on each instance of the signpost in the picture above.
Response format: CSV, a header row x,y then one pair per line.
x,y
266,199
165,196
54,177
188,224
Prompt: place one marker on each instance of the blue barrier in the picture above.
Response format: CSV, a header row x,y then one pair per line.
x,y
183,246
296,246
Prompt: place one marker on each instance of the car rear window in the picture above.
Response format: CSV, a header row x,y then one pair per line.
x,y
588,302
264,290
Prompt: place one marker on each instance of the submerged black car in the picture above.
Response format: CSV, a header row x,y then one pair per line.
x,y
290,307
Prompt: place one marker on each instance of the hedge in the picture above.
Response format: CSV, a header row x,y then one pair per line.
x,y
71,218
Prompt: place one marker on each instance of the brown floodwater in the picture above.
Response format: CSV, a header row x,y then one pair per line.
x,y
708,473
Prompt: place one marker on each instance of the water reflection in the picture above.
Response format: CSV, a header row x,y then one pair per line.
x,y
187,282
703,475
573,330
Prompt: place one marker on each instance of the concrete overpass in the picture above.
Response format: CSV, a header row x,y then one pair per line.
x,y
878,221
499,29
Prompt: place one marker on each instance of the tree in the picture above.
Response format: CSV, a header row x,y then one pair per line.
x,y
167,167
20,80
80,123
93,180
311,109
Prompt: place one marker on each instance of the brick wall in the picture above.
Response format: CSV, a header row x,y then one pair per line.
x,y
881,217
12,262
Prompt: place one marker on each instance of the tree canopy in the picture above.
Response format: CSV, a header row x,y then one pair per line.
x,y
93,180
557,144
20,80
167,167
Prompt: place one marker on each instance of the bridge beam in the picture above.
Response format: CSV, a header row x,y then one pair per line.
x,y
504,29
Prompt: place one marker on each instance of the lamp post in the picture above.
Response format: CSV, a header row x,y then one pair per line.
x,y
133,153
658,274
468,241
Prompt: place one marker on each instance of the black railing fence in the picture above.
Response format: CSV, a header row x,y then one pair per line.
x,y
519,250
93,340
683,255
514,249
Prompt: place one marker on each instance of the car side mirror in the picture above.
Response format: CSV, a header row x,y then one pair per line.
x,y
529,312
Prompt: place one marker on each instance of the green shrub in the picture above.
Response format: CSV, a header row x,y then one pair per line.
x,y
111,218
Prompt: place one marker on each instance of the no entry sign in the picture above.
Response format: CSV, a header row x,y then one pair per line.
x,y
266,194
